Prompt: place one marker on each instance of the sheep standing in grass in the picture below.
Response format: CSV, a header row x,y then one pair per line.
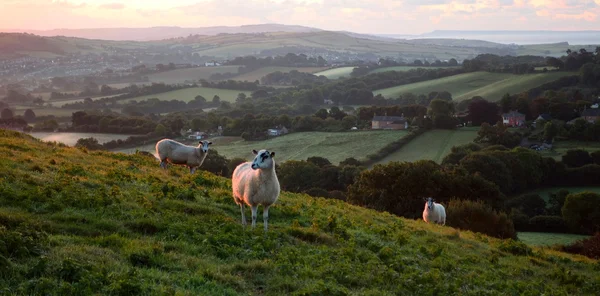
x,y
434,212
255,183
178,153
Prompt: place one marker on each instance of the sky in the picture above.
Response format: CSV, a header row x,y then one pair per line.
x,y
361,16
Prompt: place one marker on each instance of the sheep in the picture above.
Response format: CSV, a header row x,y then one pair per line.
x,y
178,153
255,183
434,212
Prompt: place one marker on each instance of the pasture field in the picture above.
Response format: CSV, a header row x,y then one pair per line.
x,y
545,192
336,72
561,147
262,72
491,86
43,111
116,224
406,68
549,239
123,85
70,139
432,145
299,146
181,75
188,94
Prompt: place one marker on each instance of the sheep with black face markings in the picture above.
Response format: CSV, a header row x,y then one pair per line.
x,y
255,183
177,153
434,212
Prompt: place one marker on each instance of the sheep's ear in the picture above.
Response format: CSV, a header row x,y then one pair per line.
x,y
254,152
209,143
272,154
200,142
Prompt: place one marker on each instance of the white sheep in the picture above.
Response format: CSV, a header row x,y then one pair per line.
x,y
255,183
178,153
434,212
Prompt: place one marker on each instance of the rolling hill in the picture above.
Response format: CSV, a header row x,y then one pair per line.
x,y
188,94
491,86
74,221
181,75
260,73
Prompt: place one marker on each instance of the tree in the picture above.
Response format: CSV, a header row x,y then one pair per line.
x,y
336,113
529,204
582,211
550,131
216,100
481,111
199,124
29,115
479,217
576,158
318,161
322,113
452,62
497,135
6,114
556,202
89,143
160,130
506,103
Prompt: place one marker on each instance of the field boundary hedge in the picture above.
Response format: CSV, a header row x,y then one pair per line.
x,y
392,147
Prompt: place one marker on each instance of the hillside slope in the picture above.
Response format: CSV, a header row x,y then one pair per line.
x,y
80,223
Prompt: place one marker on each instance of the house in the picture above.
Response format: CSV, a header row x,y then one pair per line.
x,y
389,122
513,118
278,131
544,116
197,136
211,64
328,102
591,115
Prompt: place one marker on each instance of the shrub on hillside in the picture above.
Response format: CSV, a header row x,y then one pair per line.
x,y
554,224
581,176
589,247
575,158
89,143
520,220
479,217
459,152
556,202
581,211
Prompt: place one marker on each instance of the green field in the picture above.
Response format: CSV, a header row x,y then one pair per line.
x,y
491,86
299,146
188,94
43,111
549,239
181,75
545,192
561,147
260,73
336,72
99,223
432,145
406,68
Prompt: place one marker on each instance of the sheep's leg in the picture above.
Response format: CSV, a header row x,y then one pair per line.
x,y
243,217
254,209
163,164
192,170
266,217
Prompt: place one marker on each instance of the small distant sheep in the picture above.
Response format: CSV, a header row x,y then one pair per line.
x,y
434,212
177,153
255,183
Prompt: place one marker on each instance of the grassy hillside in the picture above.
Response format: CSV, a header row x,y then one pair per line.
x,y
299,146
336,72
405,68
181,75
189,94
433,145
260,73
549,239
81,223
491,86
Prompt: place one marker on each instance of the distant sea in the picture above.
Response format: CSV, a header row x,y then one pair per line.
x,y
516,37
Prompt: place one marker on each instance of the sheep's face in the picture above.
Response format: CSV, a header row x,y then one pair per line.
x,y
429,203
204,145
263,159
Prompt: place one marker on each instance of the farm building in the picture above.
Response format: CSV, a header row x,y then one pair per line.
x,y
389,122
197,136
544,116
591,115
513,118
278,131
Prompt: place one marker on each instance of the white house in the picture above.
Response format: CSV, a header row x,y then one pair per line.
x,y
197,136
211,64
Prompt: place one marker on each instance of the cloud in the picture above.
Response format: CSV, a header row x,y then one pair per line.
x,y
115,6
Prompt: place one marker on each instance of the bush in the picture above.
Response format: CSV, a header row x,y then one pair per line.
x,y
581,211
317,192
596,157
554,224
520,220
575,158
479,217
529,204
589,247
89,143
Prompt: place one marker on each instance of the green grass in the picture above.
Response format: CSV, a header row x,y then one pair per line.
x,y
491,86
262,72
406,68
545,192
299,146
549,239
71,138
75,222
432,145
181,75
336,72
189,94
561,147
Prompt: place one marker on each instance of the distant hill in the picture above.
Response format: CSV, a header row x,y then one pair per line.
x,y
507,37
159,33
